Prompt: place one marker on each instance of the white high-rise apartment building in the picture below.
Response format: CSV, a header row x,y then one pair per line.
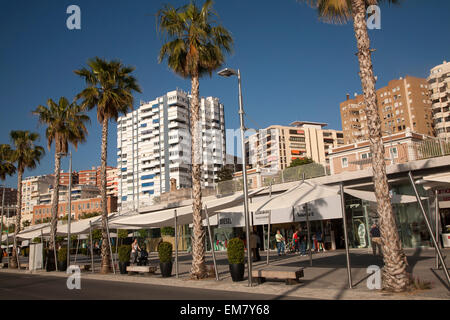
x,y
439,81
154,147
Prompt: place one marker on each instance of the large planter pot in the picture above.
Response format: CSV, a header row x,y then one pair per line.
x,y
62,266
166,269
50,263
446,240
237,272
123,267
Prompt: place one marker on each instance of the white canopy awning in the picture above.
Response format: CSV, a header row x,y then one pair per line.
x,y
324,203
370,196
166,217
443,178
304,192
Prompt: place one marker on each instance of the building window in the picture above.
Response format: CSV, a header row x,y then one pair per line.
x,y
394,152
344,162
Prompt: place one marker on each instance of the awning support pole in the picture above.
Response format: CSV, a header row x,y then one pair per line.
x,y
110,249
268,225
212,245
347,253
176,243
308,227
441,258
92,246
43,247
436,218
76,251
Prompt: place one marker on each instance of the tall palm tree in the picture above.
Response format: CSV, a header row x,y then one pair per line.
x,y
66,123
395,276
7,167
196,45
26,155
110,88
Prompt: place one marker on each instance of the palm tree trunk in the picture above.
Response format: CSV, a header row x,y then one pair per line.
x,y
395,277
198,270
106,265
55,201
13,262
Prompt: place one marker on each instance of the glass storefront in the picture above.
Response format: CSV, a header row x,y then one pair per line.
x,y
410,222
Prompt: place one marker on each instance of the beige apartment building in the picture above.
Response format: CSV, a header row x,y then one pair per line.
x,y
32,190
438,81
277,146
403,103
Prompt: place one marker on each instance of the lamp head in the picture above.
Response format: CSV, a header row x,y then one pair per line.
x,y
227,72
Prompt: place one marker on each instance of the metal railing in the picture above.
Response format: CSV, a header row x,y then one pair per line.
x,y
428,149
312,170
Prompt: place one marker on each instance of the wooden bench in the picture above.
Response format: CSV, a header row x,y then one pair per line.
x,y
290,274
141,269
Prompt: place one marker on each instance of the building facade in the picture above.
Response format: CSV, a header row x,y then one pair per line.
x,y
43,212
277,146
404,103
154,147
438,81
32,190
399,148
65,178
93,178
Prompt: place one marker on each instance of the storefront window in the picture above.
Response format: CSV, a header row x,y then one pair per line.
x,y
410,222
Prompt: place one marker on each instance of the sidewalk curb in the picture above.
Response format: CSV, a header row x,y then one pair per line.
x,y
210,284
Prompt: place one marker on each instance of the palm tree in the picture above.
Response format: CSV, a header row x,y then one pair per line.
x,y
395,276
110,88
196,45
66,123
7,167
26,155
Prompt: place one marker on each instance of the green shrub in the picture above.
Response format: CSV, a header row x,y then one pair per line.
x,y
62,254
59,239
235,251
165,252
168,231
124,253
97,234
122,234
37,240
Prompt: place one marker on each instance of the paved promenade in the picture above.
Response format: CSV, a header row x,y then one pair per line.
x,y
326,279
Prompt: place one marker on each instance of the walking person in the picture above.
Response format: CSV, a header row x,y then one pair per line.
x,y
254,246
280,242
134,251
376,239
296,241
319,237
303,242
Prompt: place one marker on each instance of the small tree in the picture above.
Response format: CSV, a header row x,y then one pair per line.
x,y
300,162
225,174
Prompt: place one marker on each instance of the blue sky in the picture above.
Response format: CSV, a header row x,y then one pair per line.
x,y
294,67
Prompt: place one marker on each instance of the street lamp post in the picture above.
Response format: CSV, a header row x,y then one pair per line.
x,y
69,218
228,73
3,209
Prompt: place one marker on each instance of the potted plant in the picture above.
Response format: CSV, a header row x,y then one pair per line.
x,y
124,258
62,259
236,256
165,259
